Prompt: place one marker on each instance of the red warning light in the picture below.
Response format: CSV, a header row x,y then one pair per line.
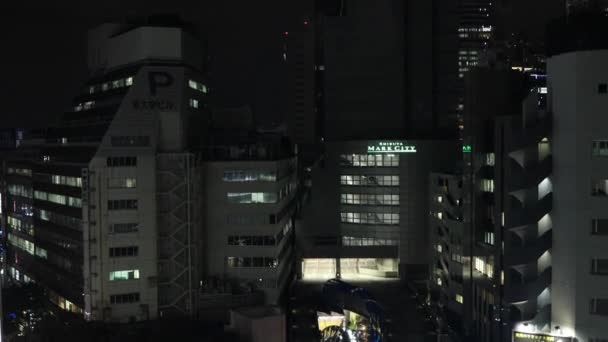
x,y
305,22
286,33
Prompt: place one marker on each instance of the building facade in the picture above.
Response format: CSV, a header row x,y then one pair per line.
x,y
577,91
101,209
250,204
365,219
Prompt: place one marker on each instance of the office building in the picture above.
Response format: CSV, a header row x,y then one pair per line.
x,y
250,191
366,219
102,210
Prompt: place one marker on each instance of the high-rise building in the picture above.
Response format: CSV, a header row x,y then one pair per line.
x,y
475,31
577,87
492,237
96,208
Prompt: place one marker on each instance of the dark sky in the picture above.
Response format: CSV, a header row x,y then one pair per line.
x,y
43,54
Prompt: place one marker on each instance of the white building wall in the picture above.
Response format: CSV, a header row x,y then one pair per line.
x,y
579,118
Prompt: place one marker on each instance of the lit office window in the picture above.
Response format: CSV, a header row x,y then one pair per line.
x,y
197,86
490,159
370,199
363,180
193,103
459,298
124,275
250,176
252,197
488,237
122,183
487,185
129,81
369,160
370,218
249,262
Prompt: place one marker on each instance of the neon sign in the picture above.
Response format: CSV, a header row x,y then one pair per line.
x,y
467,148
391,147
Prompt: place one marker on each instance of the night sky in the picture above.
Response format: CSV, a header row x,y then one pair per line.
x,y
43,54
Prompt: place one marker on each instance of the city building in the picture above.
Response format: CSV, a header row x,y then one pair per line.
x,y
366,218
102,210
577,78
250,199
492,231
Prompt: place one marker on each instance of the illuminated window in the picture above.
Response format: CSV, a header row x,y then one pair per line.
x,y
370,218
502,277
487,185
252,197
369,199
439,248
257,262
193,103
439,281
488,237
459,298
250,176
197,86
439,199
363,180
21,243
490,159
124,275
41,253
369,160
122,183
58,199
129,81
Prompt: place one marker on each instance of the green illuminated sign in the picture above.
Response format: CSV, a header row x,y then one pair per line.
x,y
525,337
391,147
467,148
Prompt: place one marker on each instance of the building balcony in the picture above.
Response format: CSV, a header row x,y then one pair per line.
x,y
527,290
532,134
521,215
530,176
523,253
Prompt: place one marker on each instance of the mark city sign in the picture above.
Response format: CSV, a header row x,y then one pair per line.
x,y
526,337
391,147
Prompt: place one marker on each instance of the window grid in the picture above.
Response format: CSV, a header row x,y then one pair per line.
x,y
368,241
122,228
124,275
129,204
368,180
121,161
124,298
370,218
369,160
370,199
247,262
119,252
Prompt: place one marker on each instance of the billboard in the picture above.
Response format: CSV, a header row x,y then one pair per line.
x,y
527,337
